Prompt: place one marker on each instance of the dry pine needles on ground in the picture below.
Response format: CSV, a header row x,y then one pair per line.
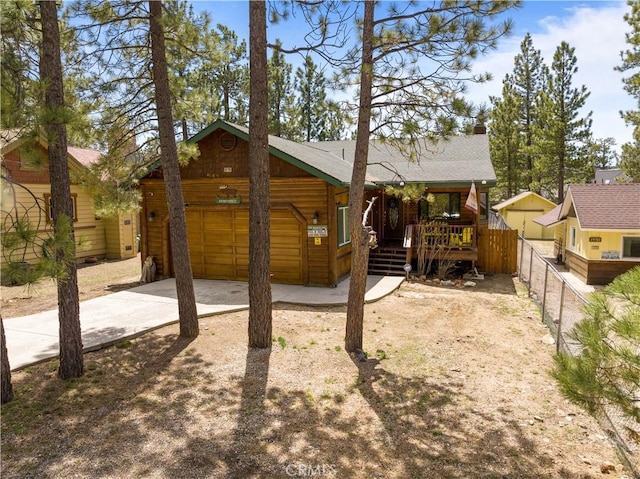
x,y
456,384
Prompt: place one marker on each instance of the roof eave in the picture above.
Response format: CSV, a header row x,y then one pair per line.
x,y
438,184
219,124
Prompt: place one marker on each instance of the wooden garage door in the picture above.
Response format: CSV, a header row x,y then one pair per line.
x,y
219,244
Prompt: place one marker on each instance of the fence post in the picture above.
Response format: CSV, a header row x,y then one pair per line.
x,y
520,262
559,335
530,269
544,290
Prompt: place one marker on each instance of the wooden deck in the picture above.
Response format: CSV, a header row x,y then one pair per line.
x,y
440,241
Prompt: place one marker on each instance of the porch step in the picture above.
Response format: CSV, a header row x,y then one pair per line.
x,y
387,261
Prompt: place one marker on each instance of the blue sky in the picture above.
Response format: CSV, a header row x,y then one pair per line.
x,y
595,28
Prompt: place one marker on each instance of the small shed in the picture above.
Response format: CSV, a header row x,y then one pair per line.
x,y
519,212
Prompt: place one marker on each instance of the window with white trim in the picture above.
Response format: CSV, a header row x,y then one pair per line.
x,y
631,246
572,236
344,235
74,202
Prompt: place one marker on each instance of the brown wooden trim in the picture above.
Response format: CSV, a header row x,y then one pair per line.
x,y
47,199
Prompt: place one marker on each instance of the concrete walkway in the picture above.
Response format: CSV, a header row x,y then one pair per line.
x,y
114,317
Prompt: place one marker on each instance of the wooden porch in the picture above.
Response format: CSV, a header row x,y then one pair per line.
x,y
438,241
441,241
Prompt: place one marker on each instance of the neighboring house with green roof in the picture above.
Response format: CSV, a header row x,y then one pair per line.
x,y
597,230
26,193
309,189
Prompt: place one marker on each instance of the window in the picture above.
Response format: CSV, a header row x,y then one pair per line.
x,y
631,246
484,202
47,202
444,206
572,238
344,236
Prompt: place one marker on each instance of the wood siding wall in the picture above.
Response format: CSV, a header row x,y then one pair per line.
x,y
89,231
498,251
304,196
595,272
120,235
343,257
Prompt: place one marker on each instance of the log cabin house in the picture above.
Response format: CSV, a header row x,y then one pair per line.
x,y
309,189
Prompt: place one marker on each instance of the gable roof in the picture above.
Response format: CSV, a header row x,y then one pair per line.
x,y
319,163
84,156
550,218
604,207
13,139
456,161
519,197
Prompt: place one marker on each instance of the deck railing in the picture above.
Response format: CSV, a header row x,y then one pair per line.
x,y
440,236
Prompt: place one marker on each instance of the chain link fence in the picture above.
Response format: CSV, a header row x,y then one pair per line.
x,y
560,303
561,308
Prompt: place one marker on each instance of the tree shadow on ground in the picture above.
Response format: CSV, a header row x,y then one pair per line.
x,y
160,409
57,414
431,440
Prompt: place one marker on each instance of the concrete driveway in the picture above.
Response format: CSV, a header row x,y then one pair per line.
x,y
126,314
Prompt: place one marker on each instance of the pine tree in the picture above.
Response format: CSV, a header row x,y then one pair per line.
x,y
630,160
184,28
607,371
230,77
601,153
260,308
187,308
563,134
529,80
55,117
505,140
281,97
310,86
20,93
18,80
6,386
403,98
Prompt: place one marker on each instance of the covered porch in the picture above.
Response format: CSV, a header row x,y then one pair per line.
x,y
437,242
436,226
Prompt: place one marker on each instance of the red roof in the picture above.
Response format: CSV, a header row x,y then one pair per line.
x,y
605,206
84,156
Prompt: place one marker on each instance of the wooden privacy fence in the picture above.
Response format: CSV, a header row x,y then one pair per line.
x,y
498,251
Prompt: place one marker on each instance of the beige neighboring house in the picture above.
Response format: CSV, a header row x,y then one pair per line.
x,y
520,211
26,192
597,230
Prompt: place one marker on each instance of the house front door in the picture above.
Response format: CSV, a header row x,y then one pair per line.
x,y
393,219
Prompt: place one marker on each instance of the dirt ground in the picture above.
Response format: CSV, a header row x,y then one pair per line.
x,y
94,279
456,385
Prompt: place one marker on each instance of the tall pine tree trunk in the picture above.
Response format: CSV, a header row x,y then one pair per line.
x,y
260,308
359,236
6,388
71,360
561,166
187,308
